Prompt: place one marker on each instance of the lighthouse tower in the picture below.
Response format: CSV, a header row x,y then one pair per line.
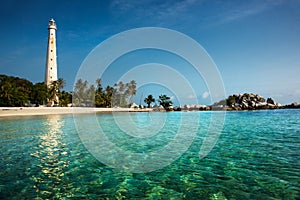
x,y
51,62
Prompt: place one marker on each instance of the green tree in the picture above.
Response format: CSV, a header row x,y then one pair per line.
x,y
165,101
39,94
109,91
123,93
60,84
7,93
54,91
149,100
230,100
79,92
14,91
131,90
23,88
119,95
100,94
65,98
99,88
90,96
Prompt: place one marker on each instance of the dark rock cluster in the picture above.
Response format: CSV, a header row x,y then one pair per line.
x,y
250,102
247,101
292,105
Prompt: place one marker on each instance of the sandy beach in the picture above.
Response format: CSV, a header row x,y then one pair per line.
x,y
27,111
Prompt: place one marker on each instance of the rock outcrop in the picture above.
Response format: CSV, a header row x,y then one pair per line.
x,y
292,105
236,102
250,102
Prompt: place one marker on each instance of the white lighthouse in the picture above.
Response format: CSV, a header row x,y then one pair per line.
x,y
51,60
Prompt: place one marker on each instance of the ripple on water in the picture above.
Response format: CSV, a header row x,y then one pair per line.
x,y
256,156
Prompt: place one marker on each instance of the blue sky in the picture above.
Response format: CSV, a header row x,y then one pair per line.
x,y
255,44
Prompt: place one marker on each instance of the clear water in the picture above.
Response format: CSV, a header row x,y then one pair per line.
x,y
256,157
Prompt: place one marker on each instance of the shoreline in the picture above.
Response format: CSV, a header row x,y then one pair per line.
x,y
36,111
31,111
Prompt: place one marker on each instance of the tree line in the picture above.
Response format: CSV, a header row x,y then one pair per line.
x,y
163,101
15,91
120,95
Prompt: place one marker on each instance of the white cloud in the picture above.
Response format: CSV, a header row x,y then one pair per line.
x,y
297,92
190,96
189,12
244,10
205,95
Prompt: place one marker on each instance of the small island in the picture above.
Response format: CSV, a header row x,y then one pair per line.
x,y
251,102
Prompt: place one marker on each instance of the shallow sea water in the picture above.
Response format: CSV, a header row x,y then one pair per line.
x,y
257,156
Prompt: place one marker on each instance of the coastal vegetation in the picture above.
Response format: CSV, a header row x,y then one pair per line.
x,y
18,92
15,91
165,101
148,100
120,95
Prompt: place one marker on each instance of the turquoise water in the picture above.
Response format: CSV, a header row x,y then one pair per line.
x,y
257,156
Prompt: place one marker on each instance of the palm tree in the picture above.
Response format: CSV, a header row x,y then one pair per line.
x,y
165,101
99,94
54,91
7,92
90,96
61,84
109,91
79,92
99,86
131,90
65,98
149,100
119,94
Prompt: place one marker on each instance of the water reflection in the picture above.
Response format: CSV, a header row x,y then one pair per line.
x,y
52,157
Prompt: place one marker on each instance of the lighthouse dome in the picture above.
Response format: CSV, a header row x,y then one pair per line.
x,y
52,24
